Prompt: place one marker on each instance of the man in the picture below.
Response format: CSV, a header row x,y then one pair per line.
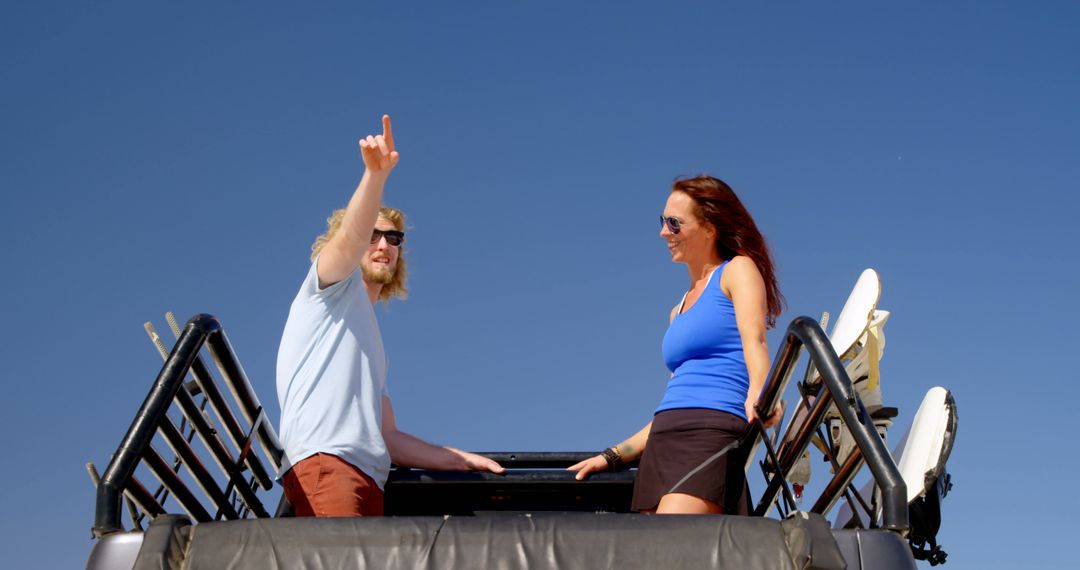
x,y
337,422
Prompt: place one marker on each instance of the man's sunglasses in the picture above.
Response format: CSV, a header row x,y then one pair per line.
x,y
674,225
393,237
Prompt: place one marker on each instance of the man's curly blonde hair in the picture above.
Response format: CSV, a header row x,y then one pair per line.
x,y
396,287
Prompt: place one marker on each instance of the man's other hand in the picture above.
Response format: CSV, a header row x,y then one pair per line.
x,y
474,462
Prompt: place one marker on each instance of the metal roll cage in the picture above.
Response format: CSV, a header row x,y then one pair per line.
x,y
245,472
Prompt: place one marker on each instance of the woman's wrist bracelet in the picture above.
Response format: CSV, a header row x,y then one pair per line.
x,y
613,457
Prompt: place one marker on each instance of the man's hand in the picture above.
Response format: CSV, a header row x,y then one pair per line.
x,y
378,150
590,465
474,462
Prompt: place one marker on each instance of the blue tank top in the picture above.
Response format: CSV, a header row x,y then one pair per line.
x,y
704,352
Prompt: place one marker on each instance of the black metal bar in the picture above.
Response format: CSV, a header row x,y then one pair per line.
x,y
399,477
826,440
839,482
804,331
776,383
142,429
142,496
848,490
206,481
789,497
176,486
540,459
791,450
218,450
853,492
431,493
249,438
225,357
232,426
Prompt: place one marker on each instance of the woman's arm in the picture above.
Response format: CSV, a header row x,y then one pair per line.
x,y
742,283
629,450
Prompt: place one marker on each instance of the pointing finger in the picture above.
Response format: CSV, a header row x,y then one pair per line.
x,y
382,145
387,132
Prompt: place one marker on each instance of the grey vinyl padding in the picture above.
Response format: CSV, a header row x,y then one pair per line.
x,y
543,540
874,549
810,542
164,543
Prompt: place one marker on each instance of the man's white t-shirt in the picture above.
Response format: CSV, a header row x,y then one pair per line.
x,y
331,376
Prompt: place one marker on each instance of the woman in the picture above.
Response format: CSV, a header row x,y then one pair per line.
x,y
716,350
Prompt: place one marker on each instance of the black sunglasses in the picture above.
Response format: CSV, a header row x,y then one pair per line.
x,y
674,225
393,237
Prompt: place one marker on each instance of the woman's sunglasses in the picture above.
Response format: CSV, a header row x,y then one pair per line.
x,y
393,237
672,223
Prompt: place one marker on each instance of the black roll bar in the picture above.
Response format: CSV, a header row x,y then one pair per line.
x,y
533,481
835,387
201,330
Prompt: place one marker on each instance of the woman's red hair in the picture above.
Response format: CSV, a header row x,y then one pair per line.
x,y
737,234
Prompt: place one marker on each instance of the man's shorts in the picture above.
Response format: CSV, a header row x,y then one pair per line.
x,y
325,485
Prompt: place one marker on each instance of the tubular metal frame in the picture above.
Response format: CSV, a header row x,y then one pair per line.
x,y
531,468
836,388
201,330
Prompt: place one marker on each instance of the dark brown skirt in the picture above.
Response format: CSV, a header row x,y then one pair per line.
x,y
680,441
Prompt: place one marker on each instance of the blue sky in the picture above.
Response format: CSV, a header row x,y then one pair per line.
x,y
164,157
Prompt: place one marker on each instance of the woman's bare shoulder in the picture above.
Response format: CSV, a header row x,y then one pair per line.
x,y
743,263
740,270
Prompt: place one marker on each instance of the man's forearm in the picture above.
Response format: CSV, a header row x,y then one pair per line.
x,y
408,450
363,209
346,248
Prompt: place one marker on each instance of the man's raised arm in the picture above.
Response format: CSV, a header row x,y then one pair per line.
x,y
343,253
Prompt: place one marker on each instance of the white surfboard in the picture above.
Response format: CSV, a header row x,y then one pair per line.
x,y
923,451
848,328
851,325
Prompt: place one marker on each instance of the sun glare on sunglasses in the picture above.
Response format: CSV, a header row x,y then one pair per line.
x,y
673,224
393,237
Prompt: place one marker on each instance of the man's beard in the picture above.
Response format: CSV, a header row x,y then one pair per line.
x,y
378,276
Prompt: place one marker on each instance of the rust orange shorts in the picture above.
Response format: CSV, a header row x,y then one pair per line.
x,y
325,485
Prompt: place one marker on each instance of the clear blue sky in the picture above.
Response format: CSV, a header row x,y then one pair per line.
x,y
177,157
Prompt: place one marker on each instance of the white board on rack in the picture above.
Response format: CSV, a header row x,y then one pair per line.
x,y
925,450
848,328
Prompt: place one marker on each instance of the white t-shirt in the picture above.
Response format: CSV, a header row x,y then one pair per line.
x,y
331,376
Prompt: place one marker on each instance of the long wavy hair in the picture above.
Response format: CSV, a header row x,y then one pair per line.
x,y
396,287
736,233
